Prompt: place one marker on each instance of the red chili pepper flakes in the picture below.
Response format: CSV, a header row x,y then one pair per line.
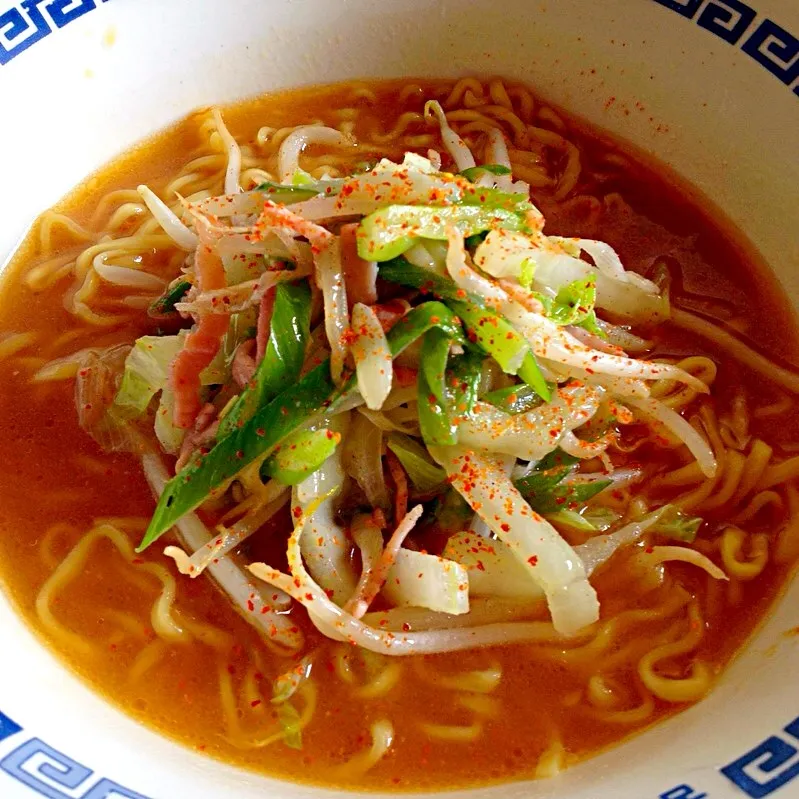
x,y
533,560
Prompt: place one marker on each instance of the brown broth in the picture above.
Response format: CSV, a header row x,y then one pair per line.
x,y
45,467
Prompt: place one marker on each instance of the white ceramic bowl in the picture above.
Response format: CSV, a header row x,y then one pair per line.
x,y
709,86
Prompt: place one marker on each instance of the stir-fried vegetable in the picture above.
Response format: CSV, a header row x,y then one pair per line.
x,y
436,422
485,328
416,461
455,360
387,233
547,490
513,399
255,439
671,522
474,172
146,373
300,455
549,560
283,358
426,581
165,304
574,305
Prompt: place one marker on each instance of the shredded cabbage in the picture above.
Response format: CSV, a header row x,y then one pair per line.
x,y
146,373
426,581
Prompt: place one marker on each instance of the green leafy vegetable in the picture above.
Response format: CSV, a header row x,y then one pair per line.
x,y
452,511
572,519
388,232
168,434
547,493
433,360
283,358
418,321
403,272
425,474
601,519
472,242
435,420
463,381
557,459
473,172
527,273
289,719
531,373
514,399
146,373
574,304
165,304
494,334
300,455
673,523
488,329
278,193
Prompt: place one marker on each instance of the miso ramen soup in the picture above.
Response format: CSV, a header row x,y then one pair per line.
x,y
394,435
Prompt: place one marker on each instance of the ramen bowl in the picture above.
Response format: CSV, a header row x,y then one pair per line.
x,y
707,86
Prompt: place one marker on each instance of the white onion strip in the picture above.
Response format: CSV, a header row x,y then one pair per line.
x,y
359,604
466,278
372,356
551,562
325,547
334,621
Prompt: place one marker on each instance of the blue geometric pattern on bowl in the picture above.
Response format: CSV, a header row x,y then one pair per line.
x,y
768,43
30,21
769,766
764,40
759,773
51,773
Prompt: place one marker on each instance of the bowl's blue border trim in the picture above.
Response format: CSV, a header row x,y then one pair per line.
x,y
737,23
29,21
762,771
733,21
772,763
46,770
